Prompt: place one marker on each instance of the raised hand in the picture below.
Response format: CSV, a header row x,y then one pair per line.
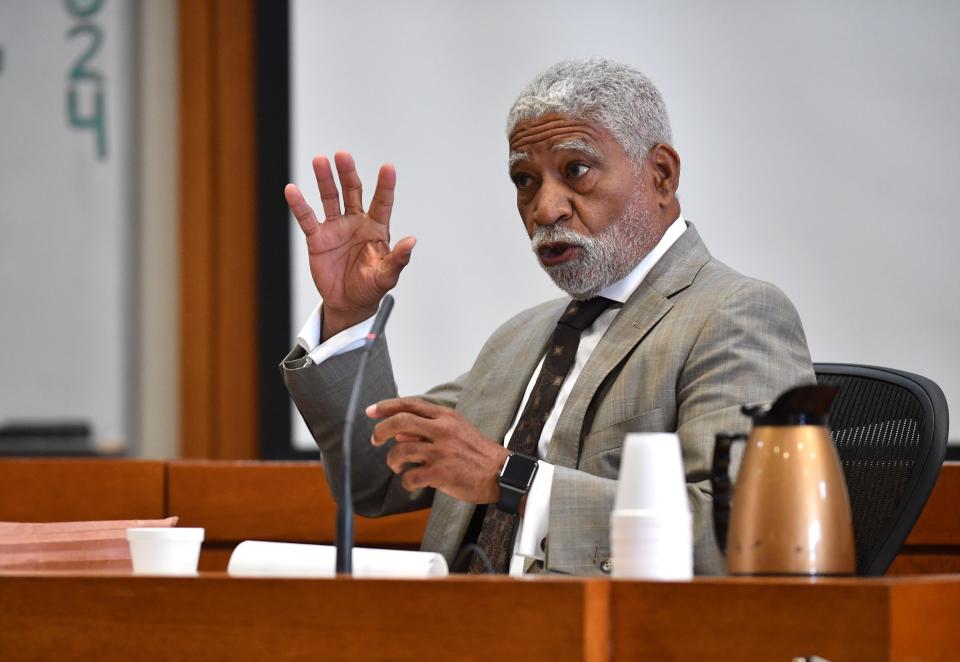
x,y
350,257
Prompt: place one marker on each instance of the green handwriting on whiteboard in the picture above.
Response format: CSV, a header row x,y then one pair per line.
x,y
86,105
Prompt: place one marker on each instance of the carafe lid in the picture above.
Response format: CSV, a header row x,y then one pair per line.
x,y
801,405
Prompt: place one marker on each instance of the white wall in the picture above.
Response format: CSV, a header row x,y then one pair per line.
x,y
819,142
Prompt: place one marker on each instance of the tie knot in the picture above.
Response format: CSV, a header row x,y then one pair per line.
x,y
581,314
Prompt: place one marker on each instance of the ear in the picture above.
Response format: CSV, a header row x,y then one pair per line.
x,y
665,168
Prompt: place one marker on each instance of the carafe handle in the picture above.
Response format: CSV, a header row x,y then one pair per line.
x,y
720,479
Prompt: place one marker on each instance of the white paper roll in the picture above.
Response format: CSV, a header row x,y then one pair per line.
x,y
255,558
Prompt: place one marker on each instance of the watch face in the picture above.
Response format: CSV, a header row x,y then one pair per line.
x,y
518,471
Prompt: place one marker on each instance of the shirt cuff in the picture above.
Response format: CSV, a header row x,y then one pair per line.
x,y
345,341
536,514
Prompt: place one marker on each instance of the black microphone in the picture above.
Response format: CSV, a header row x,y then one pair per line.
x,y
379,321
345,507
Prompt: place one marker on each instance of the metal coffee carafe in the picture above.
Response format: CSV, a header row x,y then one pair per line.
x,y
791,512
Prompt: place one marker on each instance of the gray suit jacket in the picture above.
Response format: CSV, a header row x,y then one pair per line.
x,y
694,342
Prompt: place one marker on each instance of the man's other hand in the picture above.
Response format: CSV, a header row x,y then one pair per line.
x,y
437,447
350,257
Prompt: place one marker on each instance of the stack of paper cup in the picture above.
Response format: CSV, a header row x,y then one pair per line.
x,y
650,527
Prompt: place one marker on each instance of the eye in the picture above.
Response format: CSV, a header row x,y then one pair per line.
x,y
577,169
521,180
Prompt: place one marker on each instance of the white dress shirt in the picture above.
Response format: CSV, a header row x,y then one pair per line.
x,y
535,522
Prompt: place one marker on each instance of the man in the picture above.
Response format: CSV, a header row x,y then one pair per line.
x,y
655,336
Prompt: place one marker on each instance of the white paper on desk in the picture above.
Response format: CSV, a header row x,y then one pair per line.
x,y
255,558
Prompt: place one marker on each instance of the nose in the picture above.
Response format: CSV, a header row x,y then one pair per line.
x,y
551,204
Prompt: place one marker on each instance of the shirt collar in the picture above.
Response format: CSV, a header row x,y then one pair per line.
x,y
622,289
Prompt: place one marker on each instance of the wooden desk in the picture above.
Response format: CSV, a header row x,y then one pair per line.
x,y
780,619
213,616
217,617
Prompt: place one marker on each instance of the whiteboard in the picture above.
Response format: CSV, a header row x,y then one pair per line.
x,y
67,267
819,145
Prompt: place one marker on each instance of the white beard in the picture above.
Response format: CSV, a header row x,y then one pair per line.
x,y
604,258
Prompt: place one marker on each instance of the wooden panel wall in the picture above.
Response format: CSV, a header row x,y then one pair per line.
x,y
933,546
290,501
281,501
70,490
218,230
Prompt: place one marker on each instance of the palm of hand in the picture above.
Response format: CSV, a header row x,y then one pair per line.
x,y
346,259
349,253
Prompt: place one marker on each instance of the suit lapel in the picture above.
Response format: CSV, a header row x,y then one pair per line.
x,y
649,303
496,405
640,313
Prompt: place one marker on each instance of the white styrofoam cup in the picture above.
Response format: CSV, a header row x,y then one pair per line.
x,y
651,474
165,551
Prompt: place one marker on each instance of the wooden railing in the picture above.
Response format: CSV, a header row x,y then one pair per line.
x,y
232,500
289,501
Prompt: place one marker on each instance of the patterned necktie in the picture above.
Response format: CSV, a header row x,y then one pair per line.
x,y
496,534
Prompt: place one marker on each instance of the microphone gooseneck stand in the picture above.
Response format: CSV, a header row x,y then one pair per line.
x,y
345,506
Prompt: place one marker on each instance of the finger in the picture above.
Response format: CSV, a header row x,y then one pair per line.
x,y
382,204
350,183
303,212
413,452
416,406
329,195
403,437
388,273
403,423
416,478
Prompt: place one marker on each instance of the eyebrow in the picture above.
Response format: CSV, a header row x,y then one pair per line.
x,y
517,157
578,145
574,144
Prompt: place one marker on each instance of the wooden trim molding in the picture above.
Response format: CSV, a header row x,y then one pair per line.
x,y
218,230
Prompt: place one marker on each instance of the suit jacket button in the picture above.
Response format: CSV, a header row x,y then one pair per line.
x,y
606,566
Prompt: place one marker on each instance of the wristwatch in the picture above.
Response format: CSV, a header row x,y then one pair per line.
x,y
516,477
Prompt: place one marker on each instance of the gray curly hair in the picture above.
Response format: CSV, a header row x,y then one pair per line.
x,y
620,98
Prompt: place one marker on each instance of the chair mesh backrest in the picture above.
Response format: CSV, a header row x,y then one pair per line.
x,y
884,439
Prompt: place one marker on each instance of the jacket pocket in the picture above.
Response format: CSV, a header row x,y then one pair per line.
x,y
610,435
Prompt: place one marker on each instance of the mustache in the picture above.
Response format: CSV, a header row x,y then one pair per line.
x,y
556,234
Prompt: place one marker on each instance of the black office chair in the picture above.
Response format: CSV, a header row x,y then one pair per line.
x,y
890,428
